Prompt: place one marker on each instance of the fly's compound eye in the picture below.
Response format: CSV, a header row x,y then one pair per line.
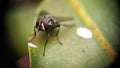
x,y
50,22
53,19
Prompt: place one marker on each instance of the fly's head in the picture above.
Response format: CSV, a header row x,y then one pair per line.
x,y
45,22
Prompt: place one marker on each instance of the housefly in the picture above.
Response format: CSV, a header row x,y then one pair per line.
x,y
47,22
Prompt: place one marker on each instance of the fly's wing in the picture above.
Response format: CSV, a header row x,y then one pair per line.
x,y
61,19
43,12
57,18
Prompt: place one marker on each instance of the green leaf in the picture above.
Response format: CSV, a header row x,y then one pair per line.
x,y
76,52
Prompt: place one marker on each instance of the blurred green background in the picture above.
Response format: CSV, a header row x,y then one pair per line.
x,y
22,17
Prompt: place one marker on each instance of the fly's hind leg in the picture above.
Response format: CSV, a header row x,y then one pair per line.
x,y
57,35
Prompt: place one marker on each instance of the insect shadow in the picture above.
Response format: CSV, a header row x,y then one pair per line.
x,y
47,23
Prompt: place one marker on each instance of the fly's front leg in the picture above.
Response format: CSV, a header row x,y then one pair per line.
x,y
34,34
57,35
48,34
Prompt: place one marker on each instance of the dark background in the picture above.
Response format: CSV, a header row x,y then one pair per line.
x,y
9,59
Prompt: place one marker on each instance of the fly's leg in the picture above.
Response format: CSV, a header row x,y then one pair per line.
x,y
48,34
57,35
34,34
